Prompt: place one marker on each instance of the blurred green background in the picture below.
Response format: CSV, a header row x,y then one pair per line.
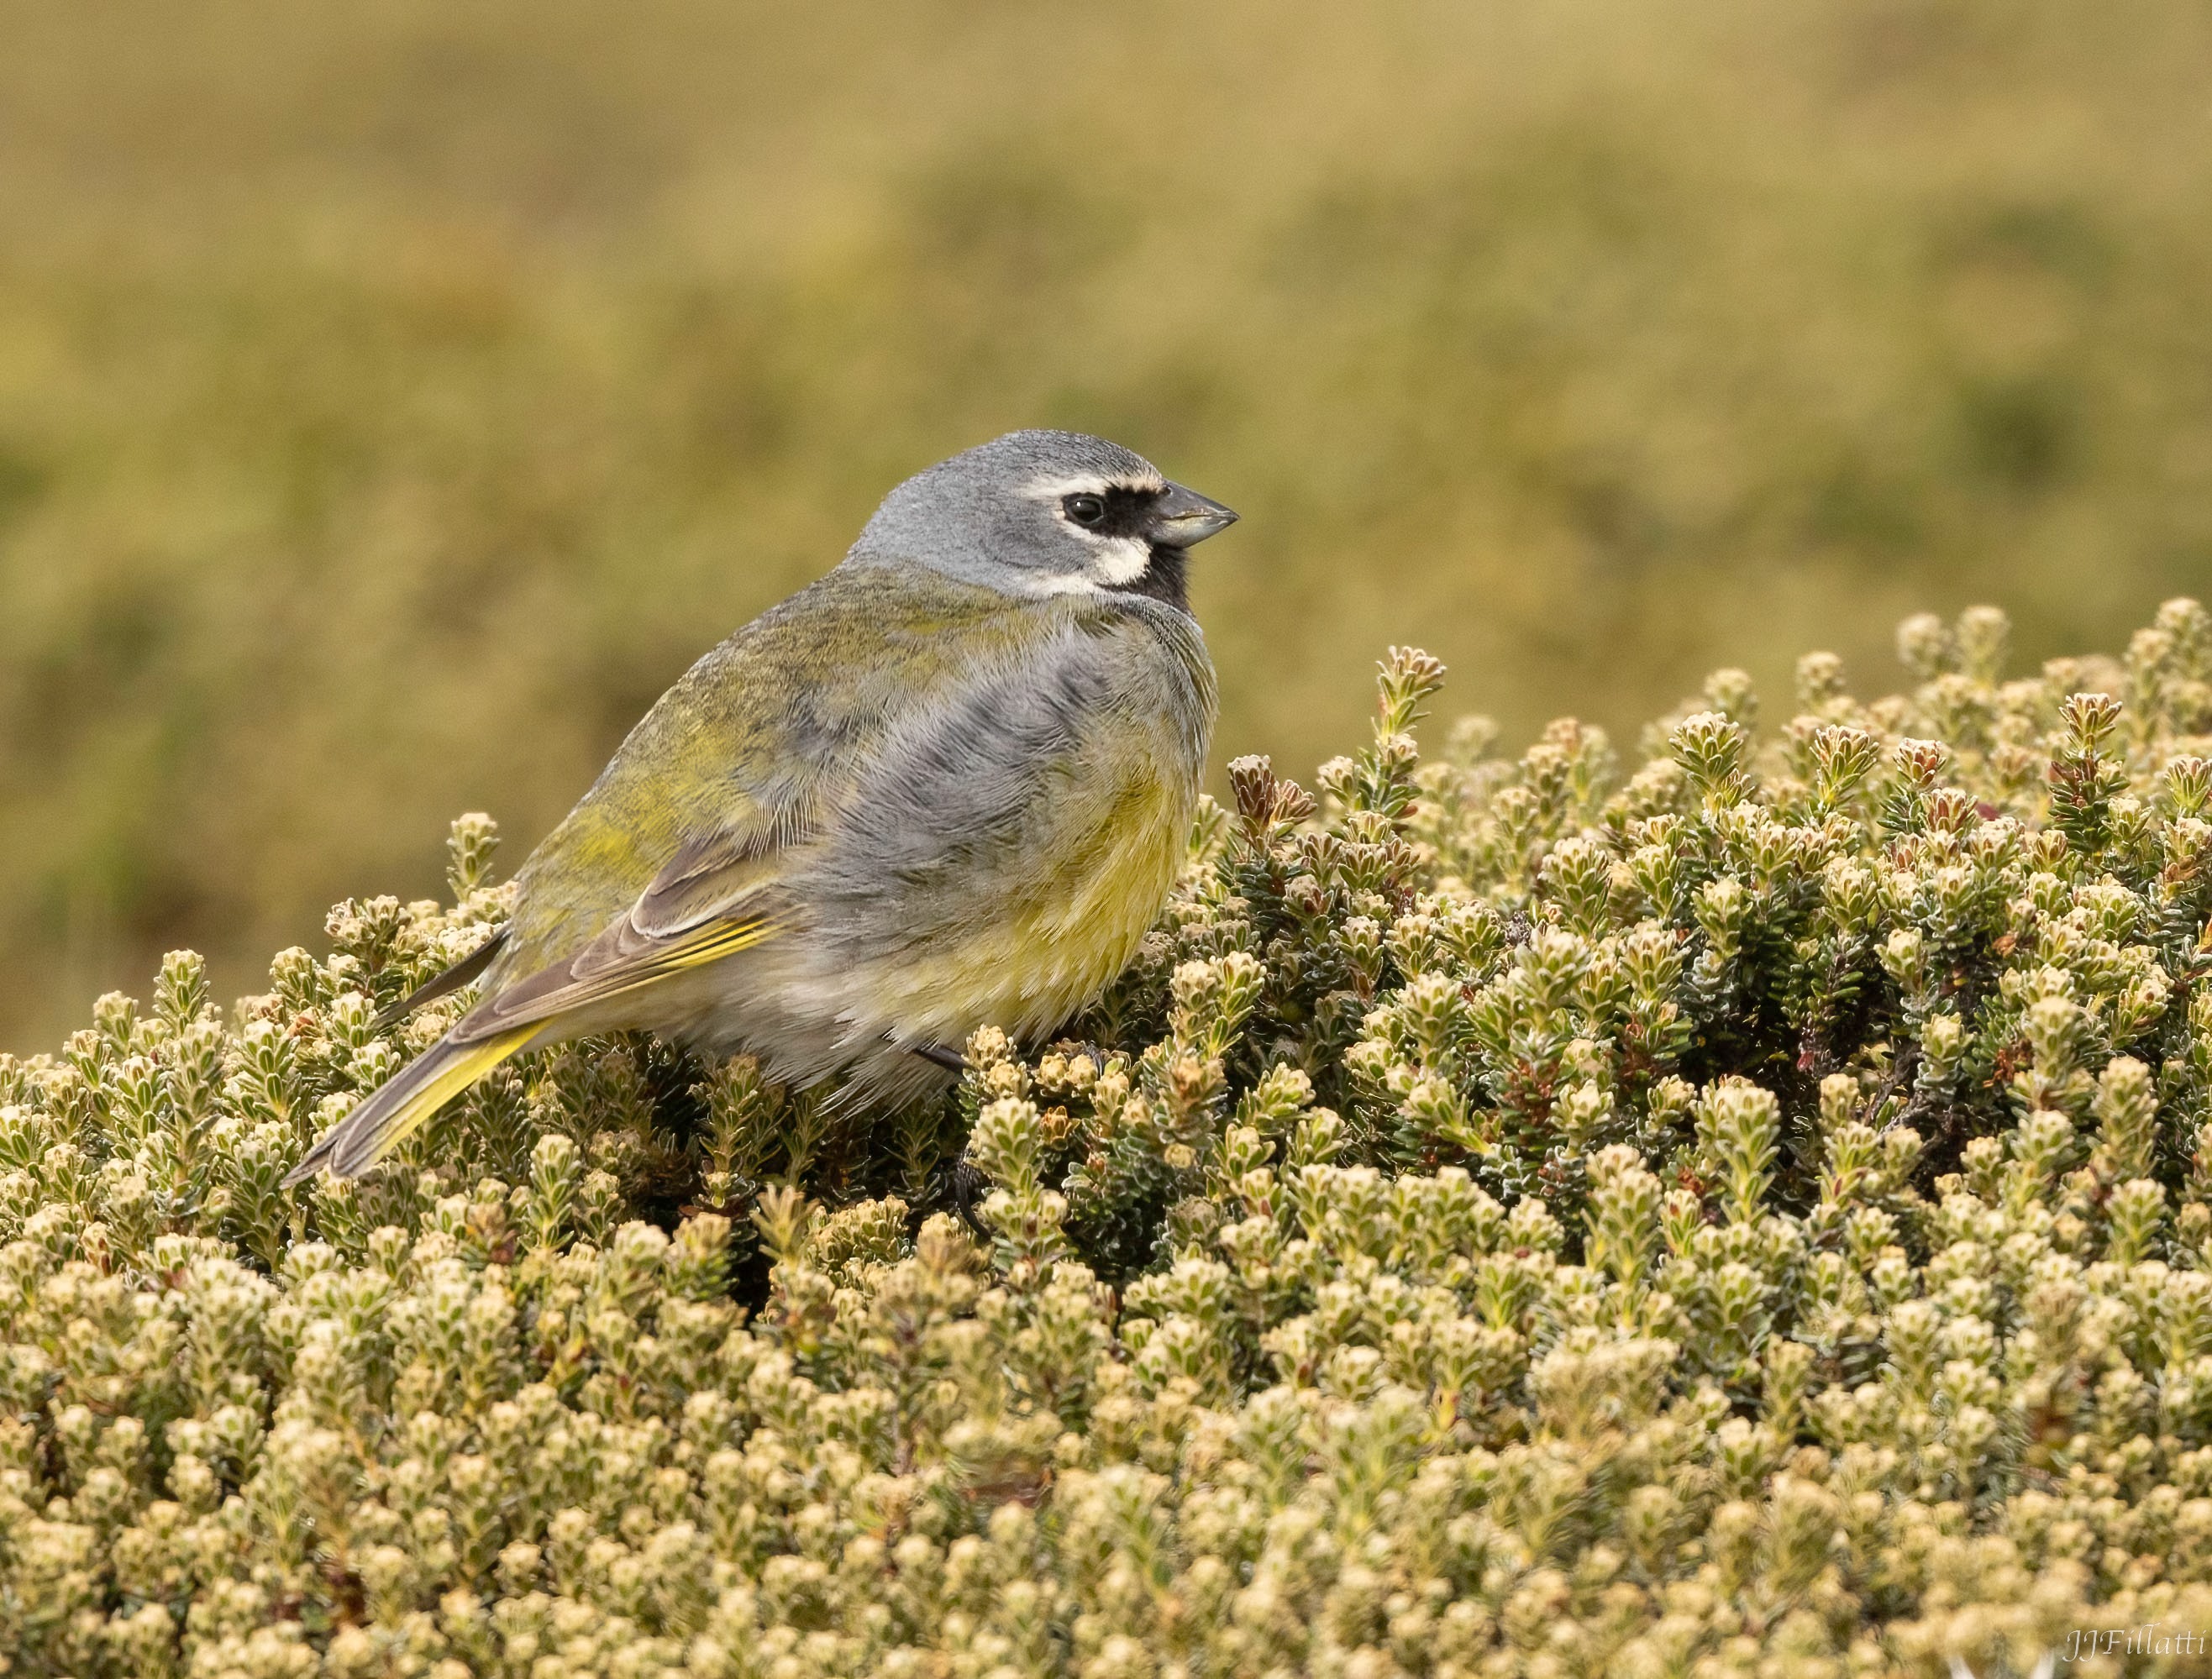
x,y
395,396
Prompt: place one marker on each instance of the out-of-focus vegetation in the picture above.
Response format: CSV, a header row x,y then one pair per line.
x,y
395,396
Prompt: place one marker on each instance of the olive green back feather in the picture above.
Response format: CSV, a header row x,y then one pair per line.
x,y
754,748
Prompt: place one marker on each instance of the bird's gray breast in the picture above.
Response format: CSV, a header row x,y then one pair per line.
x,y
979,792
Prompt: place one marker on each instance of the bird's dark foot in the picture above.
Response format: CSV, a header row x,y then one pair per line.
x,y
950,1060
965,1187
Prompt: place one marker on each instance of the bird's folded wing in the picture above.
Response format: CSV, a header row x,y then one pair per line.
x,y
678,854
712,875
714,899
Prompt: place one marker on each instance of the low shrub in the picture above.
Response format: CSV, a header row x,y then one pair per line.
x,y
1747,1215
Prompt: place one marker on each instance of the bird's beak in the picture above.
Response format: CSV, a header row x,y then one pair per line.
x,y
1182,517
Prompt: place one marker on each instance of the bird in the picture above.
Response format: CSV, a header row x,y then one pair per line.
x,y
948,783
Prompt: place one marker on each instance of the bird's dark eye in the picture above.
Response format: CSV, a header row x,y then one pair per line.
x,y
1085,509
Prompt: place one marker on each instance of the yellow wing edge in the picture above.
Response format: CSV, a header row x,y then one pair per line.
x,y
609,969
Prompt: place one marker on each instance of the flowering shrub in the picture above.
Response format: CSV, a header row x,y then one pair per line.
x,y
1744,1215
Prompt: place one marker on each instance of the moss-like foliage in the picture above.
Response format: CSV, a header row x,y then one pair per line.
x,y
1745,1215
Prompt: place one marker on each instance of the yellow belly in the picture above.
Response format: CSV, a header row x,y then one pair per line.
x,y
1069,926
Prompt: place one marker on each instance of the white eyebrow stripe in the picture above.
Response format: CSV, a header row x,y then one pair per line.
x,y
1090,483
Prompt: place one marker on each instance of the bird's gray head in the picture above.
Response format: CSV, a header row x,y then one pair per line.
x,y
1042,513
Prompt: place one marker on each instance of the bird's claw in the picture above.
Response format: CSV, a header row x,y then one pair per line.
x,y
965,1187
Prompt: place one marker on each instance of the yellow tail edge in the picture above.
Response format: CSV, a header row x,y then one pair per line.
x,y
403,1101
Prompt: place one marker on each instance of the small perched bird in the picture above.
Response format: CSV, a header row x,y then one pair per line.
x,y
949,784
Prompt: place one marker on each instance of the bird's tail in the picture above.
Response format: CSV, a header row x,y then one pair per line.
x,y
405,1100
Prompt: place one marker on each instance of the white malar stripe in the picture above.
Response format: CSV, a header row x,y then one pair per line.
x,y
1121,559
